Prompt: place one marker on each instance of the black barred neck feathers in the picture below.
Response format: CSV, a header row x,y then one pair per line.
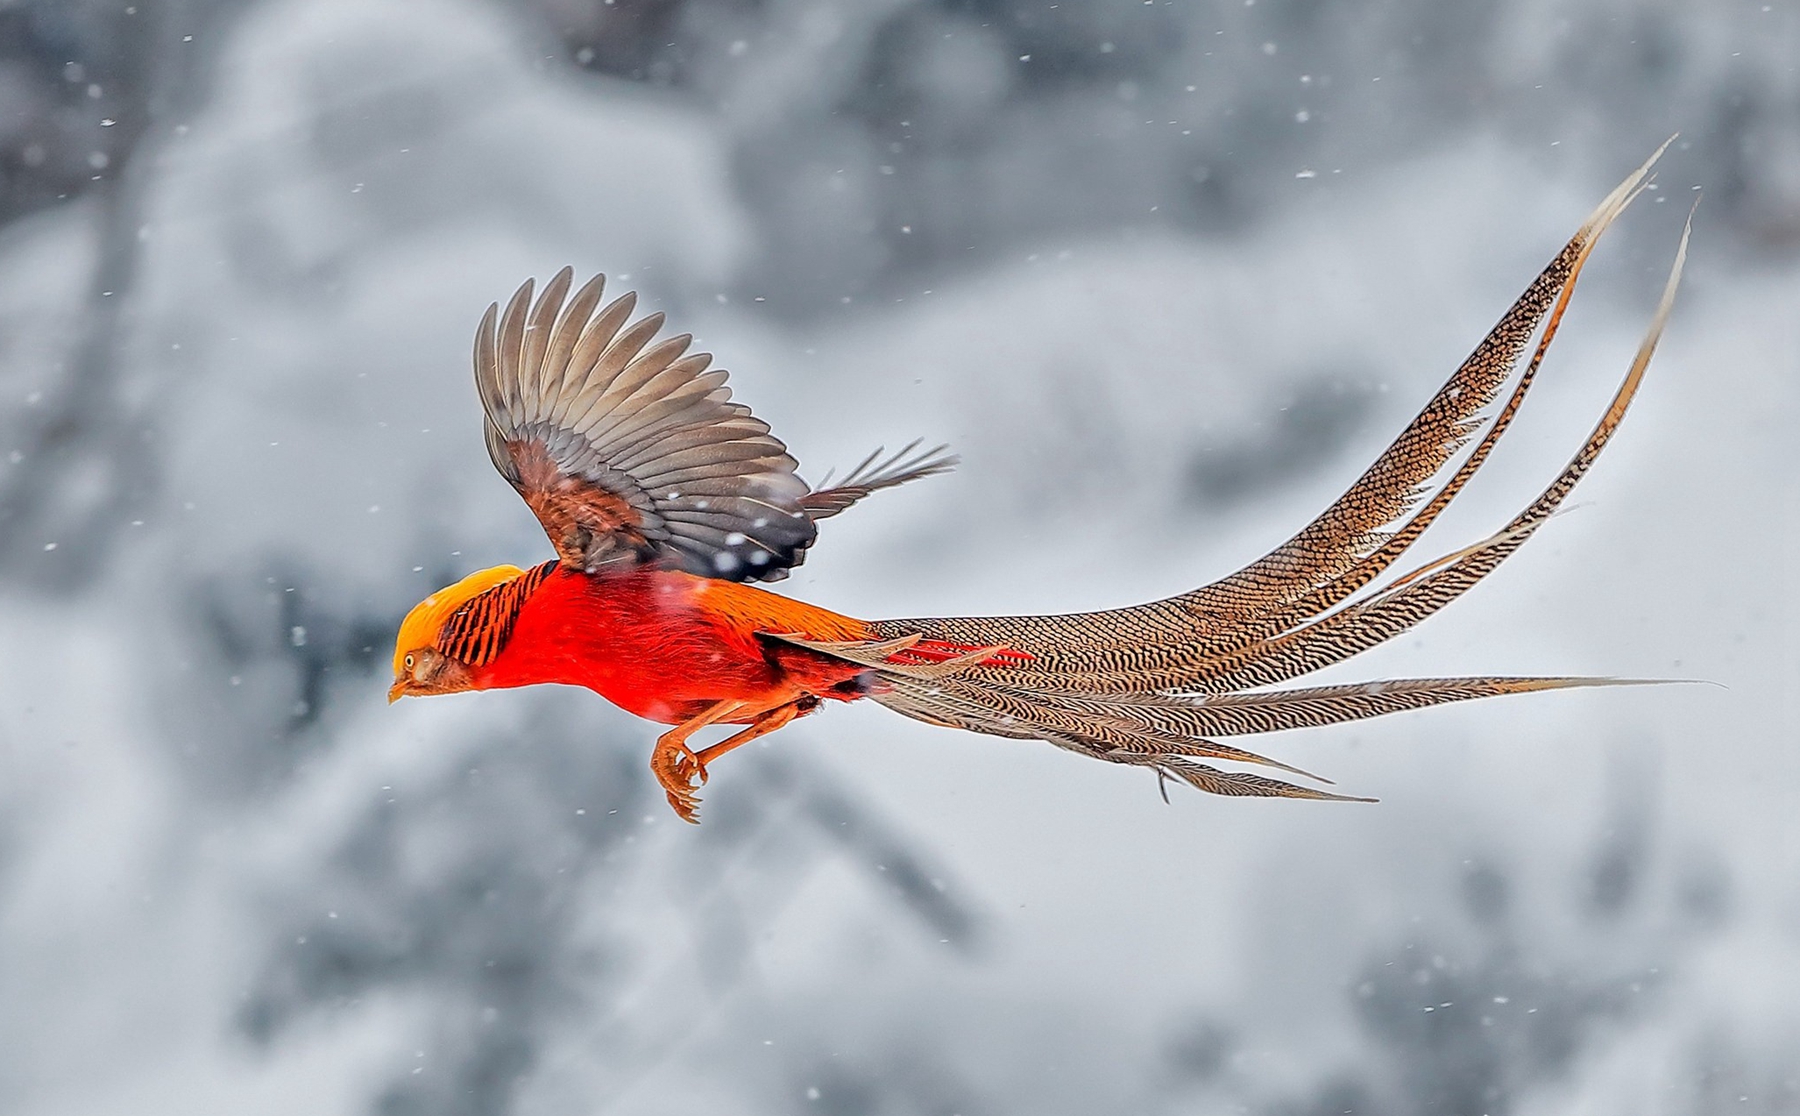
x,y
470,620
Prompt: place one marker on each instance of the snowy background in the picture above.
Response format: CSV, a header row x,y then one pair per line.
x,y
1167,275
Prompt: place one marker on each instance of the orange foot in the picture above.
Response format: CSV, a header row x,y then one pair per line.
x,y
679,771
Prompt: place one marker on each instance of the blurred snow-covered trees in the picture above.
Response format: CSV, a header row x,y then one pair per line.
x,y
1166,274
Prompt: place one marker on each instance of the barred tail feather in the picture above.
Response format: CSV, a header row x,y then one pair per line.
x,y
1345,547
1388,613
975,709
1155,685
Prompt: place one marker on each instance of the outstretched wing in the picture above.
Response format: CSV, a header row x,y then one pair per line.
x,y
630,452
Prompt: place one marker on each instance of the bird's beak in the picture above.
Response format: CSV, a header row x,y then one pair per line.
x,y
397,691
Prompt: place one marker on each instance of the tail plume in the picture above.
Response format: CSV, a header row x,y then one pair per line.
x,y
1155,685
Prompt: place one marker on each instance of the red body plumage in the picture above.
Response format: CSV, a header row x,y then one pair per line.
x,y
666,645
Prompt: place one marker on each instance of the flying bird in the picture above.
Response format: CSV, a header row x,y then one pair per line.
x,y
666,501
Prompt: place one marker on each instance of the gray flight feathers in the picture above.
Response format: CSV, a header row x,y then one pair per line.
x,y
630,450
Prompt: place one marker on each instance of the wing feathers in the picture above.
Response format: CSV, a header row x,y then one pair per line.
x,y
867,477
580,389
689,447
601,428
534,372
487,376
617,357
511,345
568,332
632,450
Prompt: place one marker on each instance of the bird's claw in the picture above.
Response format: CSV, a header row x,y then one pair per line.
x,y
679,771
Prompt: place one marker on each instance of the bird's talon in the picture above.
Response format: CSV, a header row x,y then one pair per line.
x,y
679,771
689,770
686,807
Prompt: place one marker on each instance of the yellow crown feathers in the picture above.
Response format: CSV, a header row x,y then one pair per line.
x,y
422,624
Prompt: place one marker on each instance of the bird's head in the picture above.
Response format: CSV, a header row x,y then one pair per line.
x,y
424,670
420,665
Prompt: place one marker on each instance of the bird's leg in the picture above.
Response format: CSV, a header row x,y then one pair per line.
x,y
779,717
676,766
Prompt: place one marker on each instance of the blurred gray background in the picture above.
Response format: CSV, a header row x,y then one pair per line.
x,y
1167,275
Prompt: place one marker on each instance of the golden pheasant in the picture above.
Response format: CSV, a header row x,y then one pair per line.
x,y
664,500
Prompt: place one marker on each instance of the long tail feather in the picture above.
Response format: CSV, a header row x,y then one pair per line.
x,y
1359,626
1109,733
1381,494
1243,714
1278,710
1154,685
1347,544
1242,784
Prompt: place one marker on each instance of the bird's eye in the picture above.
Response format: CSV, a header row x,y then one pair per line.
x,y
410,662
